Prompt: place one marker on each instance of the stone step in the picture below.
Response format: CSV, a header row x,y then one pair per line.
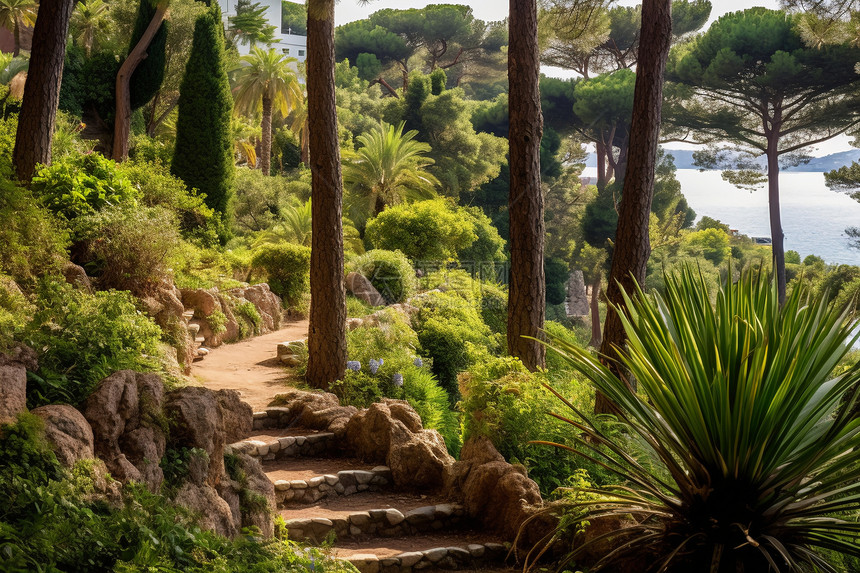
x,y
199,339
372,514
285,444
307,480
193,329
462,550
188,315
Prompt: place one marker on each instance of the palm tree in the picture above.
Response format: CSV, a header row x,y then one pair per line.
x,y
389,168
266,82
89,19
17,13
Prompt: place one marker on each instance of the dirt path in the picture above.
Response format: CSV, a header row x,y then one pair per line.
x,y
250,366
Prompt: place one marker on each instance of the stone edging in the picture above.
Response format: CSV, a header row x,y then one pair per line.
x,y
346,482
440,558
273,417
380,522
286,447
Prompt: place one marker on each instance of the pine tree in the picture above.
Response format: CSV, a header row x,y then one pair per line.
x,y
204,144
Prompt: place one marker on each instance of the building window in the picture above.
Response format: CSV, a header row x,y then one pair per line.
x,y
301,53
286,51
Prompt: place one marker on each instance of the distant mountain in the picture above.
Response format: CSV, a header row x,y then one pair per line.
x,y
684,160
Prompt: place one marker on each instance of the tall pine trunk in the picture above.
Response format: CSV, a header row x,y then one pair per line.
x,y
632,246
527,291
42,90
777,237
327,334
266,143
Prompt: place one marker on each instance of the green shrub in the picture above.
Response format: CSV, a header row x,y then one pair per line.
x,y
390,273
557,273
488,249
81,338
150,150
494,307
83,184
432,230
34,241
52,521
15,311
357,308
286,268
247,316
509,405
445,323
433,404
159,188
393,342
127,248
711,244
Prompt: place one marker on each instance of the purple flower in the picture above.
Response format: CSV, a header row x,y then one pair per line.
x,y
418,362
374,365
353,365
397,379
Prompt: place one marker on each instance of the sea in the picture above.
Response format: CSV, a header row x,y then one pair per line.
x,y
814,218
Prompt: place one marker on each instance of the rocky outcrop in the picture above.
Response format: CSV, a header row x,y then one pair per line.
x,y
268,304
125,414
196,422
391,432
76,276
13,381
314,410
252,497
237,416
214,512
363,289
68,432
498,493
164,305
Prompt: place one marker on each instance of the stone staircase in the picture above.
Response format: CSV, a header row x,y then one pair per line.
x,y
326,496
193,326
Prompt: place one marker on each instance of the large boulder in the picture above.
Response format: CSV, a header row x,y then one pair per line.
x,y
268,304
363,289
251,496
76,276
237,416
315,410
214,512
391,432
125,414
501,495
68,432
13,382
196,422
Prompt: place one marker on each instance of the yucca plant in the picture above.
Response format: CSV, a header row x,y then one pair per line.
x,y
753,457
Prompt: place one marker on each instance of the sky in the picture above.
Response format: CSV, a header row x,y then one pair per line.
x,y
349,10
490,10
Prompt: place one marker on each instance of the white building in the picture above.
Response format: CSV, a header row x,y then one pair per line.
x,y
285,42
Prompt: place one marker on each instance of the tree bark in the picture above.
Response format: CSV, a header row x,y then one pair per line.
x,y
17,37
327,333
776,235
527,286
122,122
632,247
266,143
42,90
595,314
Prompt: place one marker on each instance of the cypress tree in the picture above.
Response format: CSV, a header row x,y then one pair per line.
x,y
204,144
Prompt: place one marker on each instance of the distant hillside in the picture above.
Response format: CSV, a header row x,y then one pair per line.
x,y
684,160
